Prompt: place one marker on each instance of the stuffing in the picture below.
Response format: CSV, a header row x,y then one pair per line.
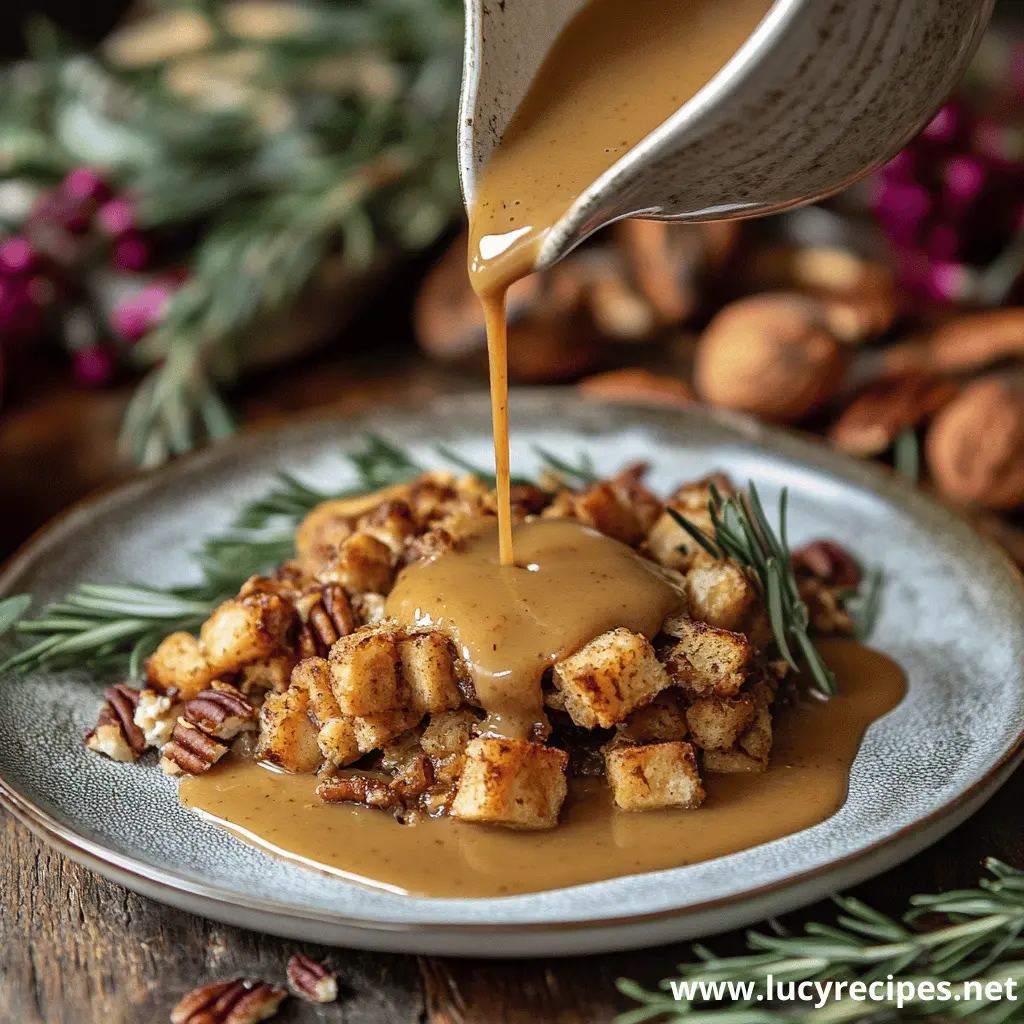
x,y
730,762
373,731
716,723
314,676
155,715
663,719
391,523
288,737
608,678
655,776
707,659
428,672
179,665
364,672
511,782
363,562
243,630
270,673
719,594
337,742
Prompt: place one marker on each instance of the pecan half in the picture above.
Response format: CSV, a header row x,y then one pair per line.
x,y
358,789
327,618
241,1001
116,733
828,562
885,408
190,751
221,712
311,980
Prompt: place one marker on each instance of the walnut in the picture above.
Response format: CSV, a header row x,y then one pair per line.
x,y
770,355
116,733
975,446
311,980
241,1001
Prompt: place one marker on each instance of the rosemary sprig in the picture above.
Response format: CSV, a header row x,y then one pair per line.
x,y
742,532
104,626
907,455
976,935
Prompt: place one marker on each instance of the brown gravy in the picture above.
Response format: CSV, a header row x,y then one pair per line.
x,y
815,745
512,623
611,77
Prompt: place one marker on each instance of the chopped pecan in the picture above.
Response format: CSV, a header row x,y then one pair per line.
x,y
241,1001
358,789
190,752
311,980
155,715
828,562
221,712
414,779
885,408
116,733
326,619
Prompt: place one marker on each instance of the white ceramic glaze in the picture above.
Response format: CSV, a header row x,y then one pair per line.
x,y
951,617
822,92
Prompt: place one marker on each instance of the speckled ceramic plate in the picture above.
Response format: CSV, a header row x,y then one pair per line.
x,y
952,617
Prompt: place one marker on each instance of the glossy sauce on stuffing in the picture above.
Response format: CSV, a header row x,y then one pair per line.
x,y
815,744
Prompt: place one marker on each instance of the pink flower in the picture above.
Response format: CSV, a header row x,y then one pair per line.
x,y
116,217
85,185
136,316
17,256
130,253
19,315
93,366
944,126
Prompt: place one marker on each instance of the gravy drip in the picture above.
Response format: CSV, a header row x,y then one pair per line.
x,y
815,744
510,624
611,77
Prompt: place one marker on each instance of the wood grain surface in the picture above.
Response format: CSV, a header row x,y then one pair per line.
x,y
75,949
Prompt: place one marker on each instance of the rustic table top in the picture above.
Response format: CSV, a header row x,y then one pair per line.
x,y
75,948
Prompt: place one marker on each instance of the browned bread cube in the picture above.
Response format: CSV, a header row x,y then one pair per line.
x,y
179,664
314,676
337,742
707,659
511,782
716,723
364,672
363,563
288,737
428,671
655,776
373,731
609,677
728,762
245,629
670,545
720,594
663,719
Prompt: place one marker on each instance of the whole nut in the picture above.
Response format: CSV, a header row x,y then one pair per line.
x,y
829,562
975,446
771,355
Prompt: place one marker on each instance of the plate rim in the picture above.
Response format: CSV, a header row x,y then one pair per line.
x,y
126,870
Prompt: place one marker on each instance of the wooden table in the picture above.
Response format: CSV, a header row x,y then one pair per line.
x,y
75,949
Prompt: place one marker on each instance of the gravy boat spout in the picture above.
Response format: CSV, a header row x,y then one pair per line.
x,y
820,94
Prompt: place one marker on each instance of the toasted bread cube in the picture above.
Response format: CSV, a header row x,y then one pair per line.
x,y
608,678
605,508
663,719
363,563
321,533
314,676
179,664
271,673
654,776
369,608
364,672
245,629
717,722
708,660
732,762
337,742
719,594
373,731
108,738
288,737
428,670
391,523
757,739
448,733
671,546
511,782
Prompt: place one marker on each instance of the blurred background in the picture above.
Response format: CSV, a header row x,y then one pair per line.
x,y
221,214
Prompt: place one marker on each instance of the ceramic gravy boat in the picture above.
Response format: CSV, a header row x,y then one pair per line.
x,y
821,93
